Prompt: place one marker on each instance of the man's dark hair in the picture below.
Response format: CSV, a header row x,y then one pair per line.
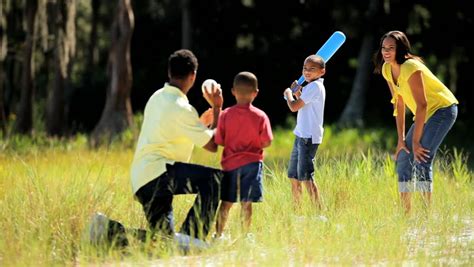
x,y
181,63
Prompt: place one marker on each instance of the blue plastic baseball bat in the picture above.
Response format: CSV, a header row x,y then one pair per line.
x,y
329,48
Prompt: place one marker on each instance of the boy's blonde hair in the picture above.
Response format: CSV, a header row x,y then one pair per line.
x,y
245,82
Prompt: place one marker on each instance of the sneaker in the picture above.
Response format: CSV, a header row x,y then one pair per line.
x,y
186,242
221,239
250,238
98,229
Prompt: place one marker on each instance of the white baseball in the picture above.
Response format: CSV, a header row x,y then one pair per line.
x,y
207,86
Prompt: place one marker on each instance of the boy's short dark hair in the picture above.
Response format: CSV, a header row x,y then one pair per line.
x,y
181,63
245,82
318,60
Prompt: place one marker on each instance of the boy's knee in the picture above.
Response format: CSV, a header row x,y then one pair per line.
x,y
246,204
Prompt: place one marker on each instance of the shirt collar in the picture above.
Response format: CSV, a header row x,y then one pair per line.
x,y
248,105
174,90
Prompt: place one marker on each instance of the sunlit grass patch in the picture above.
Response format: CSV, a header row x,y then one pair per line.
x,y
49,190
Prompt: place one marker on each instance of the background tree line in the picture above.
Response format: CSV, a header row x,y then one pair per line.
x,y
69,66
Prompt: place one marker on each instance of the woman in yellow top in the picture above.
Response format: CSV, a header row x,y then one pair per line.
x,y
434,108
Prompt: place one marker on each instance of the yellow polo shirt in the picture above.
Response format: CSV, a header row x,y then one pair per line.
x,y
437,94
170,129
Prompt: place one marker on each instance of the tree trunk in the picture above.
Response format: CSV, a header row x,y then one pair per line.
x,y
64,30
3,54
117,114
3,118
352,115
12,65
185,25
24,121
92,54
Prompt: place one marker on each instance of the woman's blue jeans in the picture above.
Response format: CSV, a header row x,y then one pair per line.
x,y
418,176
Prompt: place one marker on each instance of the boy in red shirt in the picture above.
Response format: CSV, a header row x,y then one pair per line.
x,y
244,131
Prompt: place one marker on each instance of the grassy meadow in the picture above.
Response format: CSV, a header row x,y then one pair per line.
x,y
49,189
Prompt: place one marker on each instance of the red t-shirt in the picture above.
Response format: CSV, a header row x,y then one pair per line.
x,y
242,129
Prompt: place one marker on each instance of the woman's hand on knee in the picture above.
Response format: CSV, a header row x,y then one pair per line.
x,y
420,153
401,145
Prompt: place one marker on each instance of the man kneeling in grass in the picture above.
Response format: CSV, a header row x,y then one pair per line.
x,y
160,169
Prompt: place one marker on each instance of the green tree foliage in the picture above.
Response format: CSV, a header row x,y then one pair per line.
x,y
269,38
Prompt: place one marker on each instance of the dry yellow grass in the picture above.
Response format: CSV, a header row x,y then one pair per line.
x,y
48,193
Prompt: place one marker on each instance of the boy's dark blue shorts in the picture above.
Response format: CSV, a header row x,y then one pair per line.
x,y
243,184
301,165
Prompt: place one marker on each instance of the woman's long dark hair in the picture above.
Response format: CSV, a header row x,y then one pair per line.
x,y
402,52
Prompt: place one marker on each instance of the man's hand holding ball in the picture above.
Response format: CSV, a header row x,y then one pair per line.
x,y
212,92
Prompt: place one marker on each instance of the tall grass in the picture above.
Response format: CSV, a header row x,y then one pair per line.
x,y
49,189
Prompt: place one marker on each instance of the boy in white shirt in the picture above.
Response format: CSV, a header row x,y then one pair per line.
x,y
308,101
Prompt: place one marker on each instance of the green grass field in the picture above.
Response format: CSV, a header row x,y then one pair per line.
x,y
49,189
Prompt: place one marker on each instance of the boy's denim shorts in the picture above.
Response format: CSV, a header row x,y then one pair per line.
x,y
243,184
301,166
414,176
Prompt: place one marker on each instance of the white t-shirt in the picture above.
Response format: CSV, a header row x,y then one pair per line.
x,y
309,121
